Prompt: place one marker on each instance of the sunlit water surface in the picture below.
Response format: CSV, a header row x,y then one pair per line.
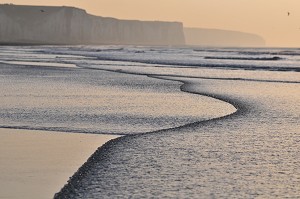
x,y
214,152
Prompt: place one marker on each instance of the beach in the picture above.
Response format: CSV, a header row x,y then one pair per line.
x,y
36,164
233,156
215,123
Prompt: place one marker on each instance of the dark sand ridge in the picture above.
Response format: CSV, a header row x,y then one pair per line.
x,y
150,73
224,157
75,182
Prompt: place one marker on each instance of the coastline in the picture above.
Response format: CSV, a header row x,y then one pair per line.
x,y
228,156
169,158
110,149
36,164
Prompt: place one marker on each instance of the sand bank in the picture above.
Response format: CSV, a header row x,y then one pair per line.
x,y
36,164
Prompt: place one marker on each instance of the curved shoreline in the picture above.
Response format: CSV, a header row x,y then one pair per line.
x,y
250,152
168,161
182,85
84,169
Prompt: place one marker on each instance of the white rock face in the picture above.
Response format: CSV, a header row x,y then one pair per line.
x,y
221,38
67,25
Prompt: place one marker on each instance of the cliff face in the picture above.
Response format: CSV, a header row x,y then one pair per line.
x,y
67,25
221,38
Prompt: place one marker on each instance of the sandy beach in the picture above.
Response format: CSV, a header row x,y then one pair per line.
x,y
192,126
108,99
36,164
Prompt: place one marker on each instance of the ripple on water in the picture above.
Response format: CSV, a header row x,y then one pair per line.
x,y
83,100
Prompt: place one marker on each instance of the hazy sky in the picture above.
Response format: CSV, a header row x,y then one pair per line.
x,y
267,18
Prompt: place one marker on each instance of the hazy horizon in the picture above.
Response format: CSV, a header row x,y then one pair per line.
x,y
269,20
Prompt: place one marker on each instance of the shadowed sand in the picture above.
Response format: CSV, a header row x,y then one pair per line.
x,y
36,164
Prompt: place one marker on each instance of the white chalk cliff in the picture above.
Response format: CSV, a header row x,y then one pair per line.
x,y
68,25
221,38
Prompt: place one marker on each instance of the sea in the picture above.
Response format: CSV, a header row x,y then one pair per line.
x,y
194,122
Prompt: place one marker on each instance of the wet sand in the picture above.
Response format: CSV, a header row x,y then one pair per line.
x,y
36,164
252,153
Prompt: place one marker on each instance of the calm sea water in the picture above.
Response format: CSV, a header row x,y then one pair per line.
x,y
199,123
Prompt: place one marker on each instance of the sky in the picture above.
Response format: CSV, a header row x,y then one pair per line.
x,y
267,18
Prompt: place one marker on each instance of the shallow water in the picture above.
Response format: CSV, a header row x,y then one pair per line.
x,y
253,153
35,164
197,145
87,101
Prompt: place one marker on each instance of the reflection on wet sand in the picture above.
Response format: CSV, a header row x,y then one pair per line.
x,y
35,164
251,153
176,144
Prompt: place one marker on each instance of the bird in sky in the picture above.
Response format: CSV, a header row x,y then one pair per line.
x,y
288,13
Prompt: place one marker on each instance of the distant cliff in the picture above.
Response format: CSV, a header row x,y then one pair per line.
x,y
221,38
67,25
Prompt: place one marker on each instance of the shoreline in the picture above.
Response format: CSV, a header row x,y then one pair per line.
x,y
37,164
223,139
69,189
85,159
226,150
